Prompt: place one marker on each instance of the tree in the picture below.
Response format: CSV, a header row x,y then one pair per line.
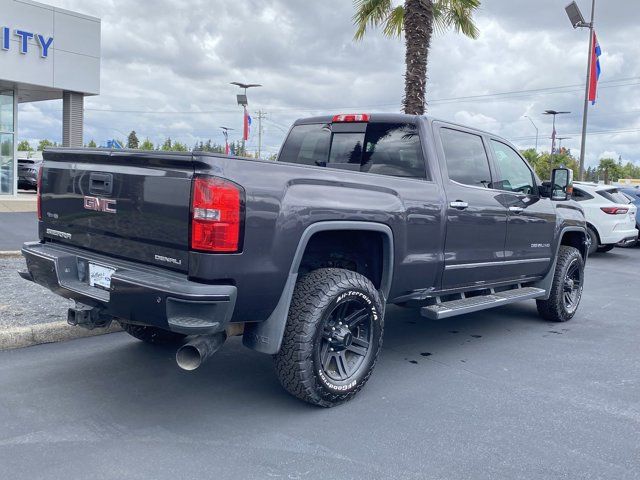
x,y
543,163
132,140
42,144
147,144
92,144
609,170
417,20
24,146
179,147
167,145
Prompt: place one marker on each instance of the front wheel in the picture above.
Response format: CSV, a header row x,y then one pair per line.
x,y
566,289
332,337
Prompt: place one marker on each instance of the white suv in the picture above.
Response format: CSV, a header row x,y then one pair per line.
x,y
611,218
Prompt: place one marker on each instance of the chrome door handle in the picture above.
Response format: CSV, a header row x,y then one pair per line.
x,y
459,204
516,209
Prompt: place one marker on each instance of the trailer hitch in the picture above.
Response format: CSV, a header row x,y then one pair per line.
x,y
88,317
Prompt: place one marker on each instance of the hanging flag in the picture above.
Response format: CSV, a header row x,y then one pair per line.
x,y
595,69
226,141
247,125
553,140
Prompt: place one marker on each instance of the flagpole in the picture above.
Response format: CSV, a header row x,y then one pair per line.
x,y
586,93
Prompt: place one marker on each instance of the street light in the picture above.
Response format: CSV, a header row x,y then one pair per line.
x,y
577,21
553,134
225,132
242,98
534,126
560,142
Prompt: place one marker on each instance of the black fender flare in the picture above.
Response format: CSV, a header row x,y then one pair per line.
x,y
547,281
266,337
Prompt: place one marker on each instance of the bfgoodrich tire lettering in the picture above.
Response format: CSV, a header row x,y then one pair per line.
x,y
332,337
566,289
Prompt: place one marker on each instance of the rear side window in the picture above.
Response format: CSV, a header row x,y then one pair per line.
x,y
392,149
466,158
307,145
614,195
580,195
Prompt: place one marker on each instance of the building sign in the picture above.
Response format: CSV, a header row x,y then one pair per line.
x,y
43,42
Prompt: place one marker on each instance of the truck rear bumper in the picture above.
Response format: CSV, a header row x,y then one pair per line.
x,y
137,293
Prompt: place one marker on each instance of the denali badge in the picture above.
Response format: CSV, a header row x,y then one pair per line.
x,y
58,233
162,258
99,204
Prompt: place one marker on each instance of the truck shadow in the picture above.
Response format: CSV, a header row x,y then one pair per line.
x,y
138,384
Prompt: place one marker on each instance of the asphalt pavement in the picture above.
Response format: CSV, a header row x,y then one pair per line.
x,y
499,394
17,228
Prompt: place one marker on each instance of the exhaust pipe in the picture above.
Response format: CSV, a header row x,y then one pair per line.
x,y
193,354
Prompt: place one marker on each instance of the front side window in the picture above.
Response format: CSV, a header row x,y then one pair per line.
x,y
466,158
513,173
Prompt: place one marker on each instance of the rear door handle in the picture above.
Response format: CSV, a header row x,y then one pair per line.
x,y
516,209
459,204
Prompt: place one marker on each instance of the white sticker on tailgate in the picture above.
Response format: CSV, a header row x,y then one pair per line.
x,y
100,276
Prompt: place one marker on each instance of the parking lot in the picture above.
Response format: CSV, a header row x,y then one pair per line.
x,y
499,394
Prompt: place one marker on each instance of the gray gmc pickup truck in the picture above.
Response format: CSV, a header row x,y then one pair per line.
x,y
301,256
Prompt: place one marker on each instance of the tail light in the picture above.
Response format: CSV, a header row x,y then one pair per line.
x,y
351,118
217,210
39,193
614,210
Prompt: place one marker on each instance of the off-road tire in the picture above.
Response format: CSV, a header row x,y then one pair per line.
x,y
595,241
316,298
605,248
153,335
555,309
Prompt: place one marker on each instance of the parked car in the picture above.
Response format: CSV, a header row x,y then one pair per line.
x,y
301,256
611,217
634,197
28,173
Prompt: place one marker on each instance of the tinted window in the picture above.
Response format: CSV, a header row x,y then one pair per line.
x,y
307,145
513,173
347,148
393,149
386,149
580,195
466,158
614,195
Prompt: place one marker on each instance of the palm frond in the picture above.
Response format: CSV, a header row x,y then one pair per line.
x,y
370,13
456,14
394,24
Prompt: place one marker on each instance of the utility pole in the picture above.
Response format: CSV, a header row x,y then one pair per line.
x,y
261,115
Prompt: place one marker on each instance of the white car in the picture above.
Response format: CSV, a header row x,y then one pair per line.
x,y
611,218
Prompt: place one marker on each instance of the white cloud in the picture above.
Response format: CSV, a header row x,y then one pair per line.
x,y
173,56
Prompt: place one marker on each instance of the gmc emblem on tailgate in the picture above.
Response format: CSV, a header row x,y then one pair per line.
x,y
99,204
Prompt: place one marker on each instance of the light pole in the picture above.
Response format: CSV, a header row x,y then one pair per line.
x,y
242,100
577,21
560,141
534,126
553,133
225,132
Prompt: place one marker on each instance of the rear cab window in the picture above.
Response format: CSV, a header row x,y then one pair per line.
x,y
383,148
466,159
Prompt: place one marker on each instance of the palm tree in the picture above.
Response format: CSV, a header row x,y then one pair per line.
x,y
417,19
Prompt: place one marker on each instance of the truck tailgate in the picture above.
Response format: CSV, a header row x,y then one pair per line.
x,y
135,207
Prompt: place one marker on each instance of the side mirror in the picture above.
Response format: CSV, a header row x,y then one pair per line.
x,y
561,184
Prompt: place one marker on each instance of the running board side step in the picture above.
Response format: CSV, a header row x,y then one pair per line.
x,y
480,302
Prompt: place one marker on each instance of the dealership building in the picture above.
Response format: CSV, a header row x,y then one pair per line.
x,y
46,53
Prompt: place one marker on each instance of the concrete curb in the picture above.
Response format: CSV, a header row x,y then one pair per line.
x,y
20,337
10,253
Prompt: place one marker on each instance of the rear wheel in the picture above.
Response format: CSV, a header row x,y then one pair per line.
x,y
153,335
332,337
593,239
566,289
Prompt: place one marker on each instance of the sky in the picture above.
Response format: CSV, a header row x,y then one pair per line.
x,y
167,64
